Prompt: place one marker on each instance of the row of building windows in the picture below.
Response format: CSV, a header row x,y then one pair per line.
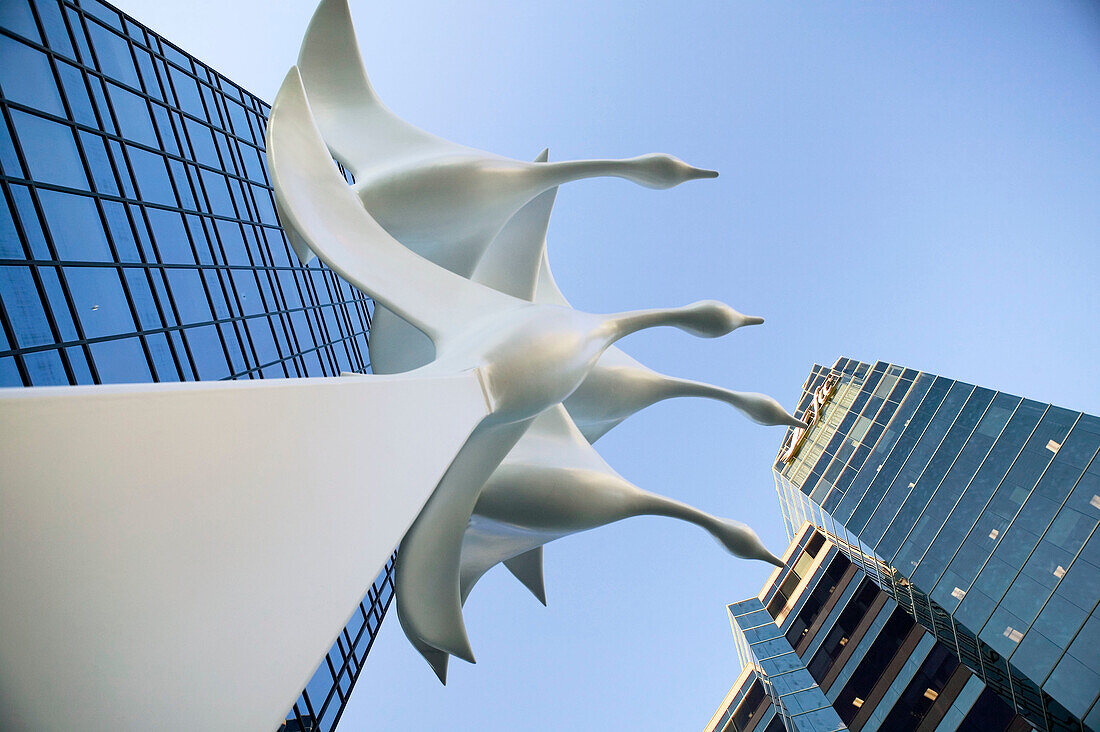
x,y
882,670
983,500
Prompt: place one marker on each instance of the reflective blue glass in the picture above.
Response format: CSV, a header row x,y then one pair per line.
x,y
152,176
113,53
58,303
121,233
9,372
141,291
217,192
95,149
45,368
9,158
10,246
50,151
102,12
69,216
914,465
26,77
133,116
16,16
120,361
929,485
869,498
24,307
189,295
100,301
28,217
170,237
76,92
57,35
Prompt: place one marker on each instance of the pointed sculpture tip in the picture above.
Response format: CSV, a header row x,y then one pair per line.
x,y
753,320
441,671
465,653
543,156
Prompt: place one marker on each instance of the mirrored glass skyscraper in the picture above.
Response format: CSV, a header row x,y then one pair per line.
x,y
975,511
139,242
825,648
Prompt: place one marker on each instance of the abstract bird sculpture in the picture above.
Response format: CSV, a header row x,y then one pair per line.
x,y
179,577
497,238
530,356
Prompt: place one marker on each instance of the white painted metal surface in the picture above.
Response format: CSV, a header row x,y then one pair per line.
x,y
181,556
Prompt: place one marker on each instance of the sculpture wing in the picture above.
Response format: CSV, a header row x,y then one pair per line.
x,y
344,103
163,542
318,205
512,260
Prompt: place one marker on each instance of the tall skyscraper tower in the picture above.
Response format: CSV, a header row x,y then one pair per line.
x,y
975,511
824,648
139,242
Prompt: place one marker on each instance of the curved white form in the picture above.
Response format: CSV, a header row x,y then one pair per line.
x,y
182,555
552,484
485,217
531,356
443,200
141,581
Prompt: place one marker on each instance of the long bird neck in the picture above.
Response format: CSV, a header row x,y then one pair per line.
x,y
621,325
670,387
554,174
657,505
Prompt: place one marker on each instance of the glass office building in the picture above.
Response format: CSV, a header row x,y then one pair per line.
x,y
139,242
974,510
824,648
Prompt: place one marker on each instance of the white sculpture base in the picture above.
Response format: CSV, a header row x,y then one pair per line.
x,y
180,556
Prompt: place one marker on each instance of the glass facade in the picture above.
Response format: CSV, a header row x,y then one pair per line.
x,y
139,241
826,648
976,511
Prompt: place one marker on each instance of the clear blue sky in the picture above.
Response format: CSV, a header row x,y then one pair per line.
x,y
912,182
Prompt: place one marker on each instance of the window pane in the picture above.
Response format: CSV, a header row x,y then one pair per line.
x,y
55,298
10,246
50,151
152,177
170,237
24,307
75,227
121,361
15,15
26,77
137,280
45,368
9,373
113,53
103,174
77,93
189,296
100,301
207,349
133,116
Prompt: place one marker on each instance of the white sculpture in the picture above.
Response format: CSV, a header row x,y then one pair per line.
x,y
177,516
531,356
553,483
444,201
514,515
161,543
